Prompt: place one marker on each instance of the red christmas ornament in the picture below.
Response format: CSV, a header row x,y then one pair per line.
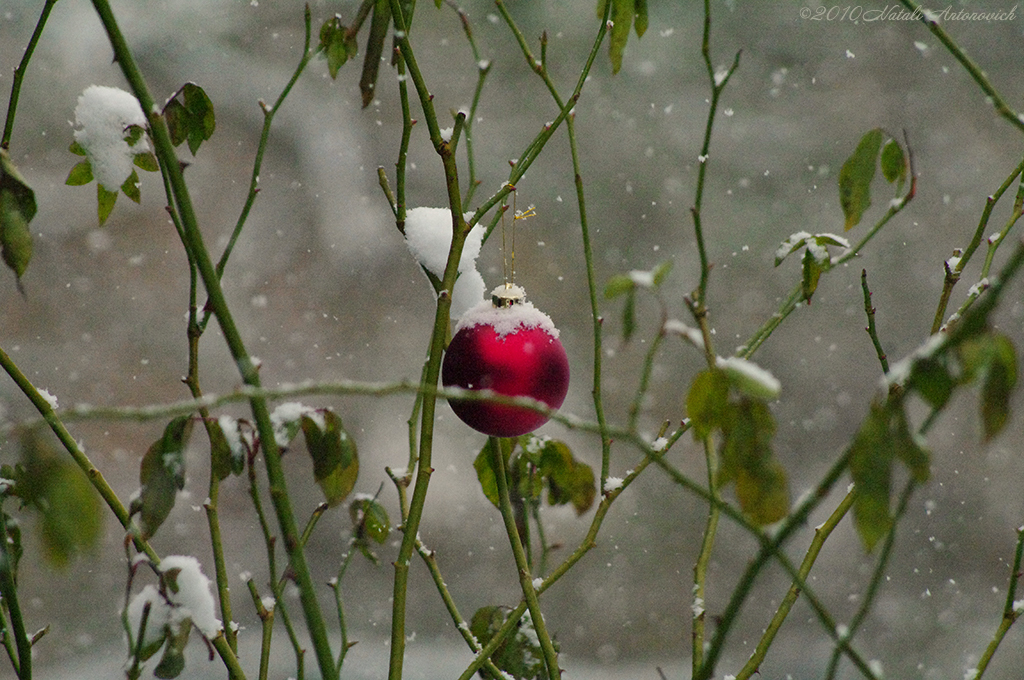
x,y
509,346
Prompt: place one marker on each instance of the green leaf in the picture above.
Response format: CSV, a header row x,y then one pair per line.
x,y
707,402
484,466
286,419
997,386
369,520
640,21
811,274
162,475
871,468
569,480
15,236
104,202
747,433
894,163
792,244
930,378
172,663
763,492
622,19
335,461
17,208
131,187
220,451
190,117
80,174
908,447
336,45
70,516
629,316
77,148
147,161
661,271
855,178
379,24
617,285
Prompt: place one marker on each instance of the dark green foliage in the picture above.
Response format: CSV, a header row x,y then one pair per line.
x,y
162,475
335,461
536,464
70,519
519,654
190,117
379,24
336,45
855,178
717,403
17,208
624,13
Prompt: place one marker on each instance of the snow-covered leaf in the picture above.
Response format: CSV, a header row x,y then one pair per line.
x,y
792,244
749,378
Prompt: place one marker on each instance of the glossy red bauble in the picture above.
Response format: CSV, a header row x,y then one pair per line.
x,y
513,351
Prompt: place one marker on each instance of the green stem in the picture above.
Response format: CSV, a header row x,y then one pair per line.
x,y
277,585
430,559
267,625
588,251
821,534
718,83
595,313
254,180
432,371
700,567
876,578
953,273
22,662
228,657
872,331
19,74
525,577
1010,615
218,303
1002,108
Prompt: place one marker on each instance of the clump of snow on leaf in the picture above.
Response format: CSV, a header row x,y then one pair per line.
x,y
750,378
428,234
507,320
103,114
187,600
159,615
193,598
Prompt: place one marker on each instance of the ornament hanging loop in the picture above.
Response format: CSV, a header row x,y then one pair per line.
x,y
508,247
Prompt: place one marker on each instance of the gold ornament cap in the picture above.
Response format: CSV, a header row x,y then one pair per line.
x,y
507,295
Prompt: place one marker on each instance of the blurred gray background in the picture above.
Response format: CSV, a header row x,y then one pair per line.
x,y
323,289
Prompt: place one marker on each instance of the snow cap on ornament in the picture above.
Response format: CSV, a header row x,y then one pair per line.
x,y
510,347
